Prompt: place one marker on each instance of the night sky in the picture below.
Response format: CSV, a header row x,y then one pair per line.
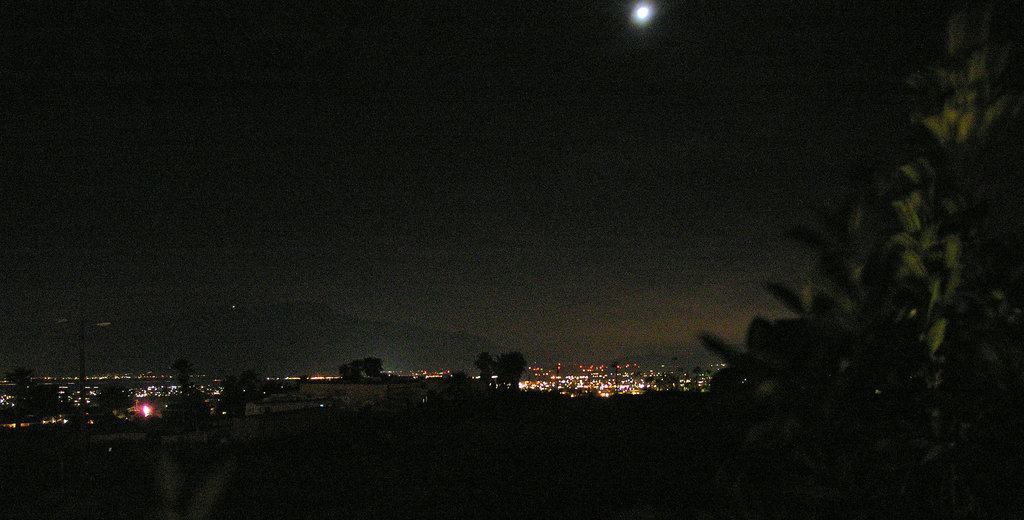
x,y
288,188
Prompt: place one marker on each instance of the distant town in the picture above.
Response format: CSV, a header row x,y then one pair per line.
x,y
127,396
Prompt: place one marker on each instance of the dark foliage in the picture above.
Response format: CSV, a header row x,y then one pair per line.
x,y
361,369
239,390
485,363
188,407
509,368
897,388
113,397
521,455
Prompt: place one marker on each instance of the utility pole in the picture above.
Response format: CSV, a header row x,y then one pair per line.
x,y
81,374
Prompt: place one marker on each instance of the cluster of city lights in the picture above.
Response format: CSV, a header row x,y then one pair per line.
x,y
606,381
572,380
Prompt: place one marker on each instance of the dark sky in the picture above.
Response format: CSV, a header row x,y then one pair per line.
x,y
290,187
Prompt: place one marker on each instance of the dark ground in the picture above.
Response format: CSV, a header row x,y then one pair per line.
x,y
534,456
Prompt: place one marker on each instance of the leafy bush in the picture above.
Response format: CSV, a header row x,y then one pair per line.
x,y
896,388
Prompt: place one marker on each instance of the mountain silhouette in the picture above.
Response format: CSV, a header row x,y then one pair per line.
x,y
285,338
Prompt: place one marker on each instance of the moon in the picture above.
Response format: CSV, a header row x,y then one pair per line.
x,y
642,14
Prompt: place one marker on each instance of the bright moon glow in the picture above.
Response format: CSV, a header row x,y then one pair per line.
x,y
642,14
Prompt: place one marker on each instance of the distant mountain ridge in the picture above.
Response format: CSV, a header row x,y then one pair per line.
x,y
279,338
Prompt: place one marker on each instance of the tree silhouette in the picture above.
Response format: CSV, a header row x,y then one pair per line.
x,y
509,368
458,386
360,369
21,377
44,400
113,397
351,371
190,399
238,391
184,370
372,367
486,364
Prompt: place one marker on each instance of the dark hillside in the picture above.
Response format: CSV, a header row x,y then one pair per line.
x,y
531,456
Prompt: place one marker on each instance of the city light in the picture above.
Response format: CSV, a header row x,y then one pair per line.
x,y
608,380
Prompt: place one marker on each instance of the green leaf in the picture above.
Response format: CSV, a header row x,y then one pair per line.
x,y
976,69
913,265
902,241
788,297
856,272
936,334
936,287
937,126
950,205
910,172
965,126
952,282
995,111
928,236
807,296
907,212
718,347
953,247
